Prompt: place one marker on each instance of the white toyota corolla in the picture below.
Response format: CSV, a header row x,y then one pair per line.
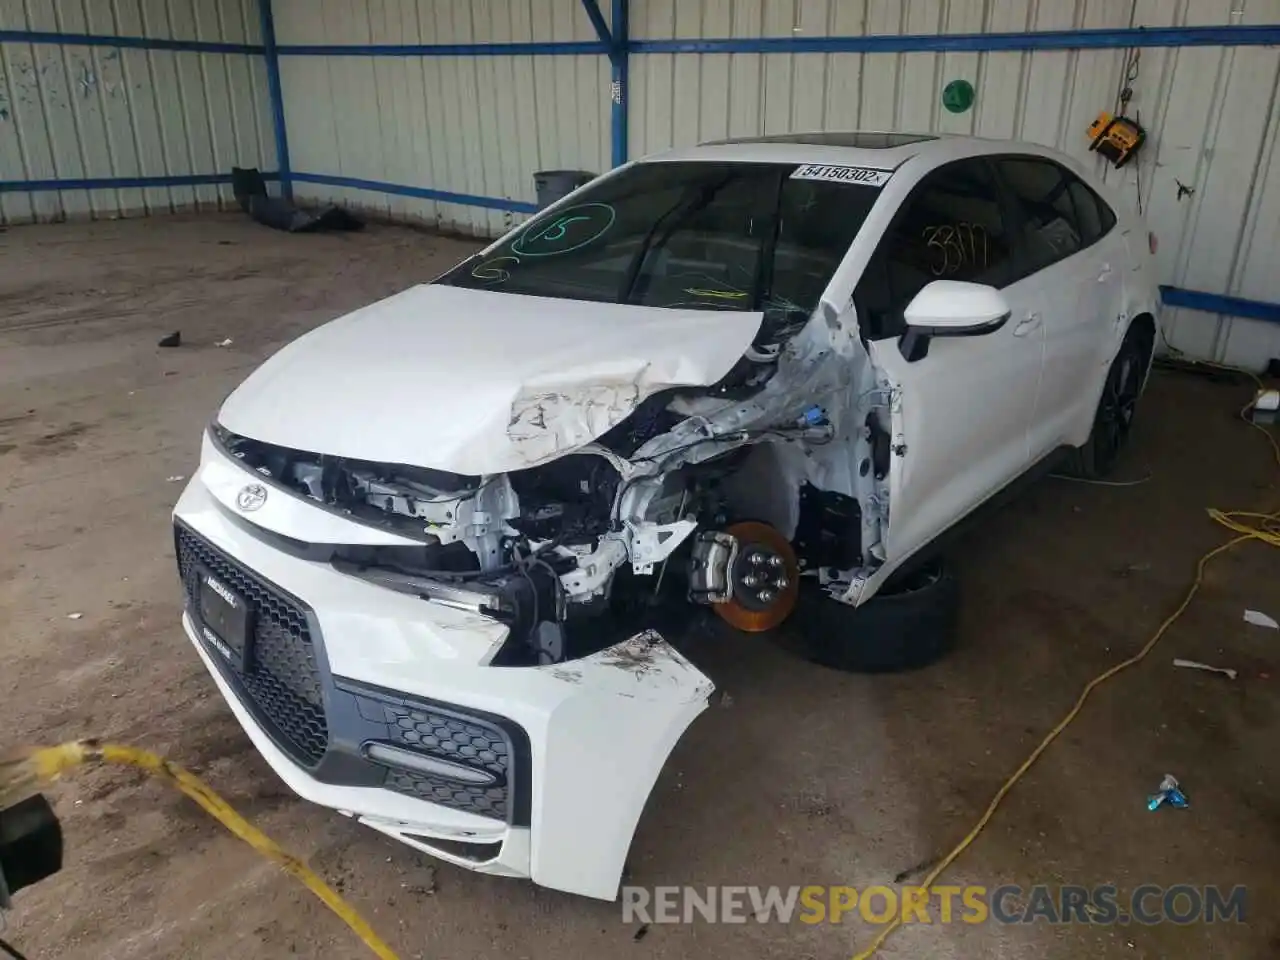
x,y
426,541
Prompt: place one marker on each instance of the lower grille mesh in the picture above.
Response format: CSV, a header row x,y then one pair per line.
x,y
282,687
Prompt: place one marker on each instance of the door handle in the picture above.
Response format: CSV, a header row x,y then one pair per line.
x,y
1025,326
1106,272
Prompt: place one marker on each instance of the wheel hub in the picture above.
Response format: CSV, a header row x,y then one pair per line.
x,y
764,579
759,577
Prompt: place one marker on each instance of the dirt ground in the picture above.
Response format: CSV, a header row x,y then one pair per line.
x,y
800,776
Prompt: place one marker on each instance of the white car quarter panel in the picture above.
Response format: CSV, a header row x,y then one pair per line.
x,y
1081,303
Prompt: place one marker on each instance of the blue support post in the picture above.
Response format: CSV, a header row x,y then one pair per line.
x,y
619,55
615,42
272,56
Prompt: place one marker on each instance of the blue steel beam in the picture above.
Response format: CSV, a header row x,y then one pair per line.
x,y
620,59
119,183
968,42
1220,303
423,193
561,48
602,29
138,43
276,94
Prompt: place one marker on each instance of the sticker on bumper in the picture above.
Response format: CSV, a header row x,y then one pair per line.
x,y
868,176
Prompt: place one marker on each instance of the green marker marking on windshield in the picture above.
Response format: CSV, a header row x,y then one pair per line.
x,y
562,225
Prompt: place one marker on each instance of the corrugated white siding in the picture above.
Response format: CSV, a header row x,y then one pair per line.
x,y
1211,113
473,125
1208,181
75,112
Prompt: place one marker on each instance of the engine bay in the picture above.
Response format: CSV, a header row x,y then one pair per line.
x,y
724,495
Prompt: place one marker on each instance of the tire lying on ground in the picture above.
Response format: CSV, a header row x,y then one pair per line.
x,y
909,624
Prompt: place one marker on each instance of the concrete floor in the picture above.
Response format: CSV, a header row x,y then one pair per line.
x,y
805,776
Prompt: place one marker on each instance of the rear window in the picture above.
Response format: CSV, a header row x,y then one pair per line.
x,y
712,236
1060,214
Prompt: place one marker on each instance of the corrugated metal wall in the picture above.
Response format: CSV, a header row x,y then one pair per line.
x,y
473,125
1211,112
480,125
81,112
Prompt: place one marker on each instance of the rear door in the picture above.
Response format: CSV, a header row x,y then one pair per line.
x,y
1077,258
961,413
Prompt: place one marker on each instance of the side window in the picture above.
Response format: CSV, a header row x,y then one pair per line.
x,y
1060,214
1088,215
951,227
1106,216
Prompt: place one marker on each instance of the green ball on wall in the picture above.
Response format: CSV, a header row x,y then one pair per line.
x,y
957,96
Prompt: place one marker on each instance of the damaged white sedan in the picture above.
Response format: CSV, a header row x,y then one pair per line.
x,y
424,547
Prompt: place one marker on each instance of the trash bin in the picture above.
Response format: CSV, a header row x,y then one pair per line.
x,y
551,185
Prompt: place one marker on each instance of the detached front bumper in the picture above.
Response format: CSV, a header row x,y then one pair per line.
x,y
555,762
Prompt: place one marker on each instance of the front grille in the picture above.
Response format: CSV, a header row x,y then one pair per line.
x,y
282,688
469,742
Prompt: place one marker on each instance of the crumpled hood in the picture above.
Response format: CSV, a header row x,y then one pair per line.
x,y
476,382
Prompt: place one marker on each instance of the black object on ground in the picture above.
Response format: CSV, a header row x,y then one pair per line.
x,y
172,340
907,625
552,185
280,214
30,845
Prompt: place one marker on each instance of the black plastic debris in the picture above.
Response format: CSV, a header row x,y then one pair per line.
x,y
172,340
30,845
280,214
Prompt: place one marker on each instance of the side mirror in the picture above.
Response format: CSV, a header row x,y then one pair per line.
x,y
951,308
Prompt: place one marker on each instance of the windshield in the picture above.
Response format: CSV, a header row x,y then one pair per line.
x,y
712,236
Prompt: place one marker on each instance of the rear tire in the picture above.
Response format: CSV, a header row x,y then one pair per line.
x,y
909,625
1113,421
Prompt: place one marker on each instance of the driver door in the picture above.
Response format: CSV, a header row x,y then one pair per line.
x,y
962,412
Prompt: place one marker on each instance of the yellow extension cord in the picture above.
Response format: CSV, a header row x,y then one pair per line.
x,y
1266,527
29,769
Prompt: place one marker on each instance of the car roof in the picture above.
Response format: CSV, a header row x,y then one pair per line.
x,y
877,149
858,139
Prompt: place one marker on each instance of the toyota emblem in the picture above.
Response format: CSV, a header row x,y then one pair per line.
x,y
250,498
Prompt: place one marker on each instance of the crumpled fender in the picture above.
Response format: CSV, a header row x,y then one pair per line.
x,y
604,750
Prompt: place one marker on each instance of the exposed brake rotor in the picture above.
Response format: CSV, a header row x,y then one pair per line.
x,y
764,579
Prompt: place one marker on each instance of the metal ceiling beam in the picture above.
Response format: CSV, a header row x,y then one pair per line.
x,y
602,29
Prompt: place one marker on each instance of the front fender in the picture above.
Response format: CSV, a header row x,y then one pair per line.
x,y
605,746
